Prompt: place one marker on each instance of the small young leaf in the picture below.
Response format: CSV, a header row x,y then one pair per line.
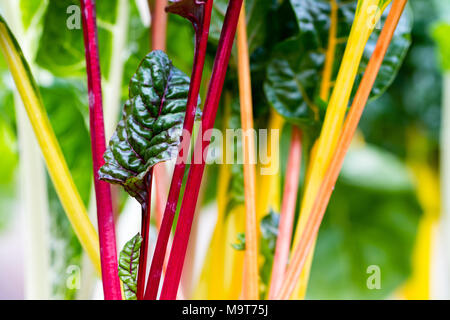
x,y
269,233
128,265
240,245
151,125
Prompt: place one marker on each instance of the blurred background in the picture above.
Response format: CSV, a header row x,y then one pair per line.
x,y
390,207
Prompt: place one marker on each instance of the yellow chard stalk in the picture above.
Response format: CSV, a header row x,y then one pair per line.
x,y
269,184
427,184
367,16
56,164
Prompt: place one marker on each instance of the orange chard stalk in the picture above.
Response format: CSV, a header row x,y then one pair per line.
x,y
250,279
299,256
158,33
287,213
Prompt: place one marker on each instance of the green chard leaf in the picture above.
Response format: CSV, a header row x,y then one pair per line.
x,y
128,265
294,73
240,244
61,47
151,125
8,165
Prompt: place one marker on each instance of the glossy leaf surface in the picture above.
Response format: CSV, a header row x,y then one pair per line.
x,y
151,125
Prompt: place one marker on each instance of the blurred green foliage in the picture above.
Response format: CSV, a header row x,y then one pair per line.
x,y
371,221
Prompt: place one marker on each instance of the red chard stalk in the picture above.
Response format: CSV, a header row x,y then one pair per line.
x,y
199,13
145,227
148,134
181,238
105,217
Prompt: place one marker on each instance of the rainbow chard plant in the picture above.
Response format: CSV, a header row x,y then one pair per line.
x,y
291,90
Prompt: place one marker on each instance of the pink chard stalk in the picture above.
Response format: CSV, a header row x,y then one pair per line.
x,y
108,253
199,13
178,252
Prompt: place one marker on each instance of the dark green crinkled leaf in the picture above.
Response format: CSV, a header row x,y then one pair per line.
x,y
240,245
151,125
128,266
295,69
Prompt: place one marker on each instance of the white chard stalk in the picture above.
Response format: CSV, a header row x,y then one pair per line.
x,y
33,181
